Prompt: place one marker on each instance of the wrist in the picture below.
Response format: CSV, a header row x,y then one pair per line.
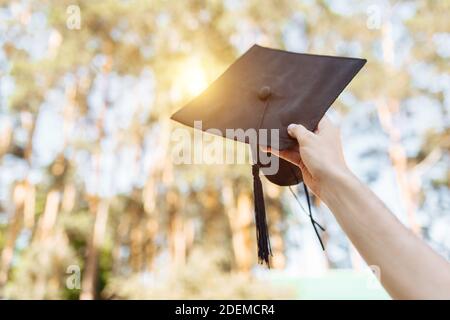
x,y
336,183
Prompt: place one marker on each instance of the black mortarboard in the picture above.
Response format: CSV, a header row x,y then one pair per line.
x,y
270,89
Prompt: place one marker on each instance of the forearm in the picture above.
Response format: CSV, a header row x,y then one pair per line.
x,y
409,268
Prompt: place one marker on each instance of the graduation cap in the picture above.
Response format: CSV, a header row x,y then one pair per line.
x,y
270,89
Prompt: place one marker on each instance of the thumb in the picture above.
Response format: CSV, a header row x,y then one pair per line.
x,y
299,132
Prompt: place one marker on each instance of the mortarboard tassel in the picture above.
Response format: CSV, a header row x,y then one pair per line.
x,y
262,232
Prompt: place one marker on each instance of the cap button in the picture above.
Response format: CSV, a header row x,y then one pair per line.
x,y
264,93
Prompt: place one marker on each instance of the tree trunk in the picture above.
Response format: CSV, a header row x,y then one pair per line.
x,y
274,218
136,243
239,210
48,219
89,281
387,109
5,138
19,196
150,249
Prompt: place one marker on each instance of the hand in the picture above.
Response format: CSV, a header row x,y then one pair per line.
x,y
319,155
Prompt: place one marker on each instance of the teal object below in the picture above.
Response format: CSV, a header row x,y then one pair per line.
x,y
334,285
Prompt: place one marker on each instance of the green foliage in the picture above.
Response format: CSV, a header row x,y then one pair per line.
x,y
206,275
41,270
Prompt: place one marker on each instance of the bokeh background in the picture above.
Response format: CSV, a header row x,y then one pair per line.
x,y
93,207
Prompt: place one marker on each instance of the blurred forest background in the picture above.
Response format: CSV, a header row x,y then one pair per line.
x,y
91,205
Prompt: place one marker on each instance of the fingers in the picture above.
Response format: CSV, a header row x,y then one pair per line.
x,y
300,133
293,156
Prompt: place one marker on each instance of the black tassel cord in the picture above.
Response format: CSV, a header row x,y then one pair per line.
x,y
262,231
313,222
